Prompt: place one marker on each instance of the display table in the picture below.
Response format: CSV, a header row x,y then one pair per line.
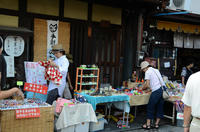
x,y
173,116
118,100
26,115
77,114
94,100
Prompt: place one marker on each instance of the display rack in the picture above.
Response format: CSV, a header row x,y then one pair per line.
x,y
86,77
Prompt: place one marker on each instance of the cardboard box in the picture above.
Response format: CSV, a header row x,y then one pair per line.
x,y
82,127
44,123
97,126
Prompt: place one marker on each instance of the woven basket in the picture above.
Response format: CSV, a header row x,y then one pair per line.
x,y
136,100
45,123
133,84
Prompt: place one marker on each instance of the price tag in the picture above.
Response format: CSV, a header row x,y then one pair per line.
x,y
36,88
27,113
19,83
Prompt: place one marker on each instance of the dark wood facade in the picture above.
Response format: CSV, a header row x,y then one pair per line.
x,y
116,44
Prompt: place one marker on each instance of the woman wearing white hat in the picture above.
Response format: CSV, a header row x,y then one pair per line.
x,y
61,62
154,81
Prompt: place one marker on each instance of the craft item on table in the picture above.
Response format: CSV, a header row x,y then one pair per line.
x,y
94,66
60,102
19,104
80,98
51,73
83,66
179,106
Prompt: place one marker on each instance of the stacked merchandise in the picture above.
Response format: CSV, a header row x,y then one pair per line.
x,y
175,90
36,114
22,104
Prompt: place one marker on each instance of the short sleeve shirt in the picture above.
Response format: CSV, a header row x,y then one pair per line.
x,y
191,95
155,78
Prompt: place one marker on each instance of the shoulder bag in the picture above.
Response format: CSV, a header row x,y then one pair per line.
x,y
165,94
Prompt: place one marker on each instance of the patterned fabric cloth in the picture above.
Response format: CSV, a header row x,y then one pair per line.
x,y
51,73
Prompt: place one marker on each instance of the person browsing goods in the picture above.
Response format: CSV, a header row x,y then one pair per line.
x,y
154,81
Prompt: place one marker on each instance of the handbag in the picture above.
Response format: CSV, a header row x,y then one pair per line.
x,y
165,94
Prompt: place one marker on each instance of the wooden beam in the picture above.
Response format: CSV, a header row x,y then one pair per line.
x,y
61,9
90,3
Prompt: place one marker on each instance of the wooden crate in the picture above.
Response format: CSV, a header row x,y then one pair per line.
x,y
44,123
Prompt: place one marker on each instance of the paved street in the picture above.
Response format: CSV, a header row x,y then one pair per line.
x,y
135,126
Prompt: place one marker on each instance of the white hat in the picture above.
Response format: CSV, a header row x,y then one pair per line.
x,y
144,64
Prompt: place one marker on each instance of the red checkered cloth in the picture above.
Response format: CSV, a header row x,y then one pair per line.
x,y
51,73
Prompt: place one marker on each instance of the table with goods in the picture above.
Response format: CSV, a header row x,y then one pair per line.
x,y
28,115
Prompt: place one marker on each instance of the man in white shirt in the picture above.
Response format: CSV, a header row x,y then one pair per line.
x,y
191,100
154,81
61,63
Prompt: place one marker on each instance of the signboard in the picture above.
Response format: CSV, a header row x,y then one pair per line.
x,y
27,113
10,66
35,88
14,45
52,37
34,73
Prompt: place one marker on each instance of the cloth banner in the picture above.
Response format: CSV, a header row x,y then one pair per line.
x,y
10,66
178,40
52,37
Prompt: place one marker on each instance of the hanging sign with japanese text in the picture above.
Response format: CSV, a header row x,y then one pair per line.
x,y
27,113
14,45
52,37
35,88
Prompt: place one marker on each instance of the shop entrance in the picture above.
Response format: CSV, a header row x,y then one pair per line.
x,y
107,53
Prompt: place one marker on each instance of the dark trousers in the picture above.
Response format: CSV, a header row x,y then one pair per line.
x,y
52,96
155,105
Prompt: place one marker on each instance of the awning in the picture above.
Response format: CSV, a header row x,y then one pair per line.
x,y
16,31
178,27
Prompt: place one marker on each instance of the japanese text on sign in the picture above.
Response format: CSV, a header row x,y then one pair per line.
x,y
27,113
35,88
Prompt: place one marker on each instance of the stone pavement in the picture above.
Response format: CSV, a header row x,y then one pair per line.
x,y
135,126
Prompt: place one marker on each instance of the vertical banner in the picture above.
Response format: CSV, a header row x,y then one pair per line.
x,y
10,66
34,73
52,36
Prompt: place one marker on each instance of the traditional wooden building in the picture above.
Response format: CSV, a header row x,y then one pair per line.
x,y
103,32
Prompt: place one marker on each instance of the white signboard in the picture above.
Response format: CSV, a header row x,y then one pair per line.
x,y
52,36
10,66
14,45
34,73
167,64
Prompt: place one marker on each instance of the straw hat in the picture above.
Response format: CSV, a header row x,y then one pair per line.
x,y
144,64
57,47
